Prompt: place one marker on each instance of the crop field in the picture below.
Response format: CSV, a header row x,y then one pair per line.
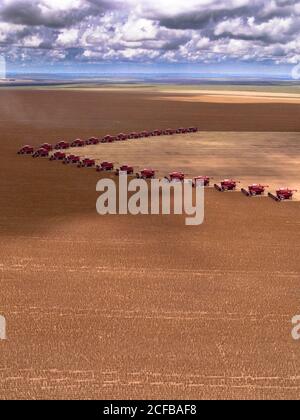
x,y
272,159
120,307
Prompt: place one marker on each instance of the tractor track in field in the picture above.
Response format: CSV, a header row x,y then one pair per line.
x,y
110,269
144,314
116,242
80,384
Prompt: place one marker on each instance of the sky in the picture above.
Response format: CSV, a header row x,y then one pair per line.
x,y
221,36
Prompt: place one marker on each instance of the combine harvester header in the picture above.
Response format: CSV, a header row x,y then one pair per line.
x,y
227,185
254,190
283,194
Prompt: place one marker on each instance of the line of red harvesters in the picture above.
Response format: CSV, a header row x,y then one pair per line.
x,y
226,185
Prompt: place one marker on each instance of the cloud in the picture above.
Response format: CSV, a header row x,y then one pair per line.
x,y
150,30
41,13
274,30
67,38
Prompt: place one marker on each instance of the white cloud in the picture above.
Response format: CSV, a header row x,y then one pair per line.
x,y
68,37
33,41
57,5
157,30
136,29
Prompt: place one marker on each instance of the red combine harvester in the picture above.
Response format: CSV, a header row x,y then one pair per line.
x,y
134,135
122,137
283,194
176,177
58,156
105,166
86,163
157,133
46,146
146,174
26,150
41,153
201,180
78,143
62,145
179,130
227,185
255,189
125,169
108,139
182,130
71,159
92,141
145,134
169,131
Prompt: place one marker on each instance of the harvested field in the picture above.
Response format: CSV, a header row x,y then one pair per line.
x,y
144,307
268,158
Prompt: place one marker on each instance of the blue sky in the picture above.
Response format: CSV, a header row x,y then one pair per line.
x,y
230,69
258,37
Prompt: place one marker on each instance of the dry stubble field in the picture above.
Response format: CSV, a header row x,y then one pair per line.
x,y
271,159
142,307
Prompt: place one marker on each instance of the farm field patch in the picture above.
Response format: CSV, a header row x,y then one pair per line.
x,y
268,158
144,307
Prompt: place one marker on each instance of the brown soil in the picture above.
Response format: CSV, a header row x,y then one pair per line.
x,y
141,307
